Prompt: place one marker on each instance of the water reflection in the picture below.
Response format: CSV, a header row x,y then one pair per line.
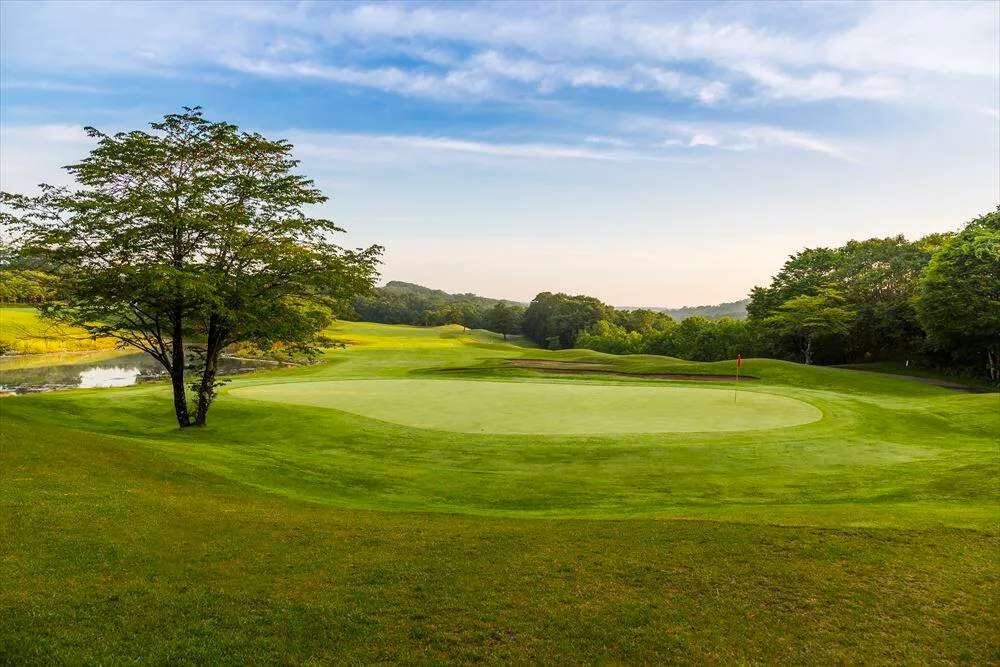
x,y
119,371
116,376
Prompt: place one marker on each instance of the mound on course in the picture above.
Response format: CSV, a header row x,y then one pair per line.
x,y
557,408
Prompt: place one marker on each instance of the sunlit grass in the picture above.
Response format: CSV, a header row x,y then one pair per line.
x,y
296,533
25,332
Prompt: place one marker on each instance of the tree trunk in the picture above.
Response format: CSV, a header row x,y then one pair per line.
x,y
206,390
177,372
809,350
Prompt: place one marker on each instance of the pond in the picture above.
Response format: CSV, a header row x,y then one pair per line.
x,y
118,371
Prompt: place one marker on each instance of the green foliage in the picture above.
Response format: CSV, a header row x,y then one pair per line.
x,y
877,280
195,230
643,320
959,302
504,318
807,319
611,338
405,303
554,320
27,286
695,339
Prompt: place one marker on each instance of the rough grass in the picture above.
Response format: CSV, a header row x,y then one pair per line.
x,y
25,333
275,535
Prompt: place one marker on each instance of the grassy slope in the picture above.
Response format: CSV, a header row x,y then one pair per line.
x,y
24,332
868,537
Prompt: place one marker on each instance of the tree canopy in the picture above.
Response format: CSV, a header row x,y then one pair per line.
x,y
192,236
877,281
959,301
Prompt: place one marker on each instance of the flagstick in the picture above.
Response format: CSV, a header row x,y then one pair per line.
x,y
737,388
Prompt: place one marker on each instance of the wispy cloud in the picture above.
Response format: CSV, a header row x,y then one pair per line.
x,y
823,85
396,149
55,86
735,137
708,54
492,75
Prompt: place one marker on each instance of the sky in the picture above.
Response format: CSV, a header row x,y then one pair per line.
x,y
656,154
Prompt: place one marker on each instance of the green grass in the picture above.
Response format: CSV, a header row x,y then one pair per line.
x,y
24,332
897,368
287,532
543,408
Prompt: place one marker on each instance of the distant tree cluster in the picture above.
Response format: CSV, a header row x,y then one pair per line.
x,y
555,320
28,287
405,303
25,280
935,300
559,321
695,339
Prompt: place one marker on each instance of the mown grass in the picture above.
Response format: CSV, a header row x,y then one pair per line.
x,y
285,533
896,368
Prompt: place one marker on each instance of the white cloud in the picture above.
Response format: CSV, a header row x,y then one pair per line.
x,y
734,136
703,140
491,75
56,86
881,51
823,85
427,84
610,141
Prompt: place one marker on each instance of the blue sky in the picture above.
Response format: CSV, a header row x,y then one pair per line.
x,y
648,154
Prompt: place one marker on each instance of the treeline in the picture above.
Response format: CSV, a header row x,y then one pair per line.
x,y
25,280
26,286
405,303
559,321
934,301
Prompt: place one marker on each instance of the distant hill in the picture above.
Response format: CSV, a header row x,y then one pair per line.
x,y
407,303
399,302
404,288
736,310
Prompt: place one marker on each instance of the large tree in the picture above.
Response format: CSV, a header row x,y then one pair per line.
x,y
554,320
803,320
878,280
194,235
505,318
959,303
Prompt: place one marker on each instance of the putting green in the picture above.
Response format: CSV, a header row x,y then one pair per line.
x,y
466,406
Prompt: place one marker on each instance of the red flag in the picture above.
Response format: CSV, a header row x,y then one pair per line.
x,y
739,361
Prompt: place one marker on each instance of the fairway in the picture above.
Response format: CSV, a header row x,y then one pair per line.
x,y
372,509
542,408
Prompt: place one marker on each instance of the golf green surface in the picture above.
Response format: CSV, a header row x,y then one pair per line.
x,y
556,408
